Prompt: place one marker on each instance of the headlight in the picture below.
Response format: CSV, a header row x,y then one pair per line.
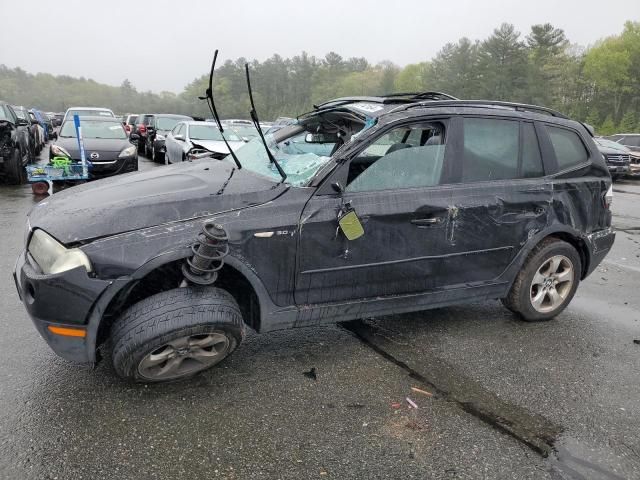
x,y
159,137
128,152
53,257
58,151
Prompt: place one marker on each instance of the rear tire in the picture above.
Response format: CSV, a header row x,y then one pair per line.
x,y
176,334
547,281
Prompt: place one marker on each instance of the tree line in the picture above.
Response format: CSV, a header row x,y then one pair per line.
x,y
599,84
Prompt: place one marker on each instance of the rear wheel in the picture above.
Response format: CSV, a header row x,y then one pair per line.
x,y
547,282
176,334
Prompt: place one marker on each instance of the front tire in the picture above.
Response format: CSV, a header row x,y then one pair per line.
x,y
547,281
14,171
176,334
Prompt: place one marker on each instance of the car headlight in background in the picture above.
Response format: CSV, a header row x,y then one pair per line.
x,y
159,137
53,257
58,151
128,152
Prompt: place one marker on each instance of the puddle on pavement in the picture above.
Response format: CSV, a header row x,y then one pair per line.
x,y
574,460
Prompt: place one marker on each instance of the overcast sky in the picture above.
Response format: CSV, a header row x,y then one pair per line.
x,y
162,45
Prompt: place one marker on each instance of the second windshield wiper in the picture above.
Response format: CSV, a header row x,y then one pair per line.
x,y
256,124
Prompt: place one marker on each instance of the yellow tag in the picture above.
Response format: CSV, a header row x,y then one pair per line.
x,y
351,226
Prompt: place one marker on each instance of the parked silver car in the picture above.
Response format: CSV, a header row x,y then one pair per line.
x,y
187,137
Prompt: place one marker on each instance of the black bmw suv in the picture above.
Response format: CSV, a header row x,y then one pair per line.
x,y
381,205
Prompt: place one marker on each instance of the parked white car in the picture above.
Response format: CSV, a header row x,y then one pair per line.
x,y
186,136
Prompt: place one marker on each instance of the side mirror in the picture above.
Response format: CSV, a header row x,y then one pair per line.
x,y
134,137
337,187
180,138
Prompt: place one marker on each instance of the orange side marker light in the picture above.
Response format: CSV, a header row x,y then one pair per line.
x,y
67,332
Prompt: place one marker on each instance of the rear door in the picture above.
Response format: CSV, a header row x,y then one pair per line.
x,y
498,198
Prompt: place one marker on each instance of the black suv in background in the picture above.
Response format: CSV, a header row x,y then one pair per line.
x,y
161,124
141,128
421,202
14,145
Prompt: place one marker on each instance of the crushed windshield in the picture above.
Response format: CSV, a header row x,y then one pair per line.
x,y
94,129
299,167
210,132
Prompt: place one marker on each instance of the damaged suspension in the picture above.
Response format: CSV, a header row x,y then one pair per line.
x,y
208,255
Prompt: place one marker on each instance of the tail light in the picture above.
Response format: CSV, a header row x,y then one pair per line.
x,y
608,198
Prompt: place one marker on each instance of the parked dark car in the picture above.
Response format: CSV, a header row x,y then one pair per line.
x,y
617,157
14,145
57,119
46,124
30,130
432,203
106,146
157,131
632,142
140,128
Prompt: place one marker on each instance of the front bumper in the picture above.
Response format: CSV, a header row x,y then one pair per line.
x,y
618,169
65,299
159,146
115,167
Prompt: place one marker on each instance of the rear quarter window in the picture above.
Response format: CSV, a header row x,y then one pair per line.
x,y
569,149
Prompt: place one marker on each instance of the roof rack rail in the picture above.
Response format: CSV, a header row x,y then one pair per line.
x,y
522,107
428,95
409,97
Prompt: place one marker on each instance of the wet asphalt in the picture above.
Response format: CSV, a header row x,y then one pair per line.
x,y
500,393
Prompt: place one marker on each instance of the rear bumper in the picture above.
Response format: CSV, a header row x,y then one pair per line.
x,y
599,244
63,300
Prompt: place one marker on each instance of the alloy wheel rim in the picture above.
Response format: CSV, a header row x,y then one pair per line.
x,y
184,356
551,284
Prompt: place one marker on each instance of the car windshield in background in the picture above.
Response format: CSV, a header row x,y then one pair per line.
x,y
299,167
167,123
94,129
210,132
89,113
20,113
244,132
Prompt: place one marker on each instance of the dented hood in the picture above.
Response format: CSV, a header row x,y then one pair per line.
x,y
145,199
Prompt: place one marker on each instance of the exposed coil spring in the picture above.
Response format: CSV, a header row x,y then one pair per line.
x,y
208,255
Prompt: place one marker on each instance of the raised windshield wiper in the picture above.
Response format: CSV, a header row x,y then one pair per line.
x,y
256,124
212,106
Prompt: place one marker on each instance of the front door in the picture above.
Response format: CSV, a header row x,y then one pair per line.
x,y
394,187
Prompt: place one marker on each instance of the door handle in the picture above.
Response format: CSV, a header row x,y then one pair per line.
x,y
426,221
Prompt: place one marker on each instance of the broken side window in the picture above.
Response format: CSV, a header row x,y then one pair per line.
x,y
405,157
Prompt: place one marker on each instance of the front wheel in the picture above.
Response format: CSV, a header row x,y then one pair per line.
x,y
14,171
547,282
176,334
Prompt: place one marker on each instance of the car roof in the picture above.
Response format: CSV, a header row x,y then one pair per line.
x,y
199,122
171,115
94,118
102,109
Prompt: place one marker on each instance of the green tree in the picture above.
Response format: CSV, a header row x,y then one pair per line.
x,y
503,64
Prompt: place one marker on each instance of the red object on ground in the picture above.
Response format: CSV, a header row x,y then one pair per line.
x,y
39,188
